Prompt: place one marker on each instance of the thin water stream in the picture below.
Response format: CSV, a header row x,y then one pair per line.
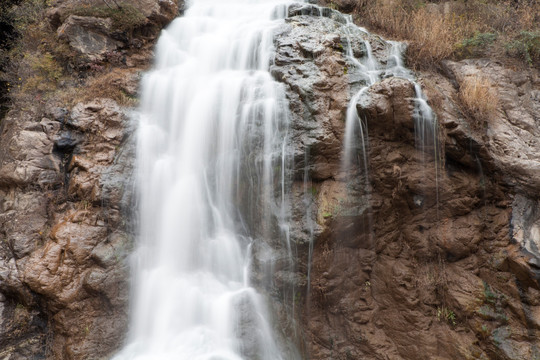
x,y
373,71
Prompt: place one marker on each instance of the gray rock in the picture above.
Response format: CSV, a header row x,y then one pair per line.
x,y
512,135
90,36
310,61
526,226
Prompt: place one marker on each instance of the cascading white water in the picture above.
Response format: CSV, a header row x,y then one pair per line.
x,y
425,122
373,71
355,149
211,175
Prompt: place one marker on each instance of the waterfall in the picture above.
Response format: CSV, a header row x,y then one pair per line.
x,y
373,71
370,70
211,174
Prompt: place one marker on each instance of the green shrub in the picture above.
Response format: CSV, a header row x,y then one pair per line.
x,y
44,72
526,46
332,5
490,296
47,66
445,314
26,12
476,43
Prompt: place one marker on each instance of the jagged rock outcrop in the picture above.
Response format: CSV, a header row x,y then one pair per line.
x,y
64,238
511,136
94,28
311,64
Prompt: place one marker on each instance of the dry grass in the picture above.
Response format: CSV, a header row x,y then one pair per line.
x,y
434,36
478,96
431,35
36,63
40,67
110,85
389,17
440,30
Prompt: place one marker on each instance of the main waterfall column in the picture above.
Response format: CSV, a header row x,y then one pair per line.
x,y
213,127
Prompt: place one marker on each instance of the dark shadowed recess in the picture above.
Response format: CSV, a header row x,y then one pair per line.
x,y
8,36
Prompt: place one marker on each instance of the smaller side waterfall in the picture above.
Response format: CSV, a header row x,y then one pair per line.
x,y
370,69
355,127
366,66
425,120
308,203
373,71
356,133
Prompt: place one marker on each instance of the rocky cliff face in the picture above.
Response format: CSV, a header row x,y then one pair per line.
x,y
428,255
443,262
66,194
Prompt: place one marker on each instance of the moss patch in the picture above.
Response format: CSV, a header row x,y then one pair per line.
x,y
124,18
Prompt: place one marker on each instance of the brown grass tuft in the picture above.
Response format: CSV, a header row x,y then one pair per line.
x,y
479,97
113,85
434,36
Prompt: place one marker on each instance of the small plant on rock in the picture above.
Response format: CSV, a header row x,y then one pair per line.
x,y
43,73
490,296
475,44
526,46
445,314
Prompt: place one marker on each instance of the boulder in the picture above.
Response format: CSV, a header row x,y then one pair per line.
x,y
90,36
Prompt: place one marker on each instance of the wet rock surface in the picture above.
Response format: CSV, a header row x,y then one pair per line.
x,y
65,242
443,263
311,62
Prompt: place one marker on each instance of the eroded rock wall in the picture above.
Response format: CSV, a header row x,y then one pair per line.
x,y
66,196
